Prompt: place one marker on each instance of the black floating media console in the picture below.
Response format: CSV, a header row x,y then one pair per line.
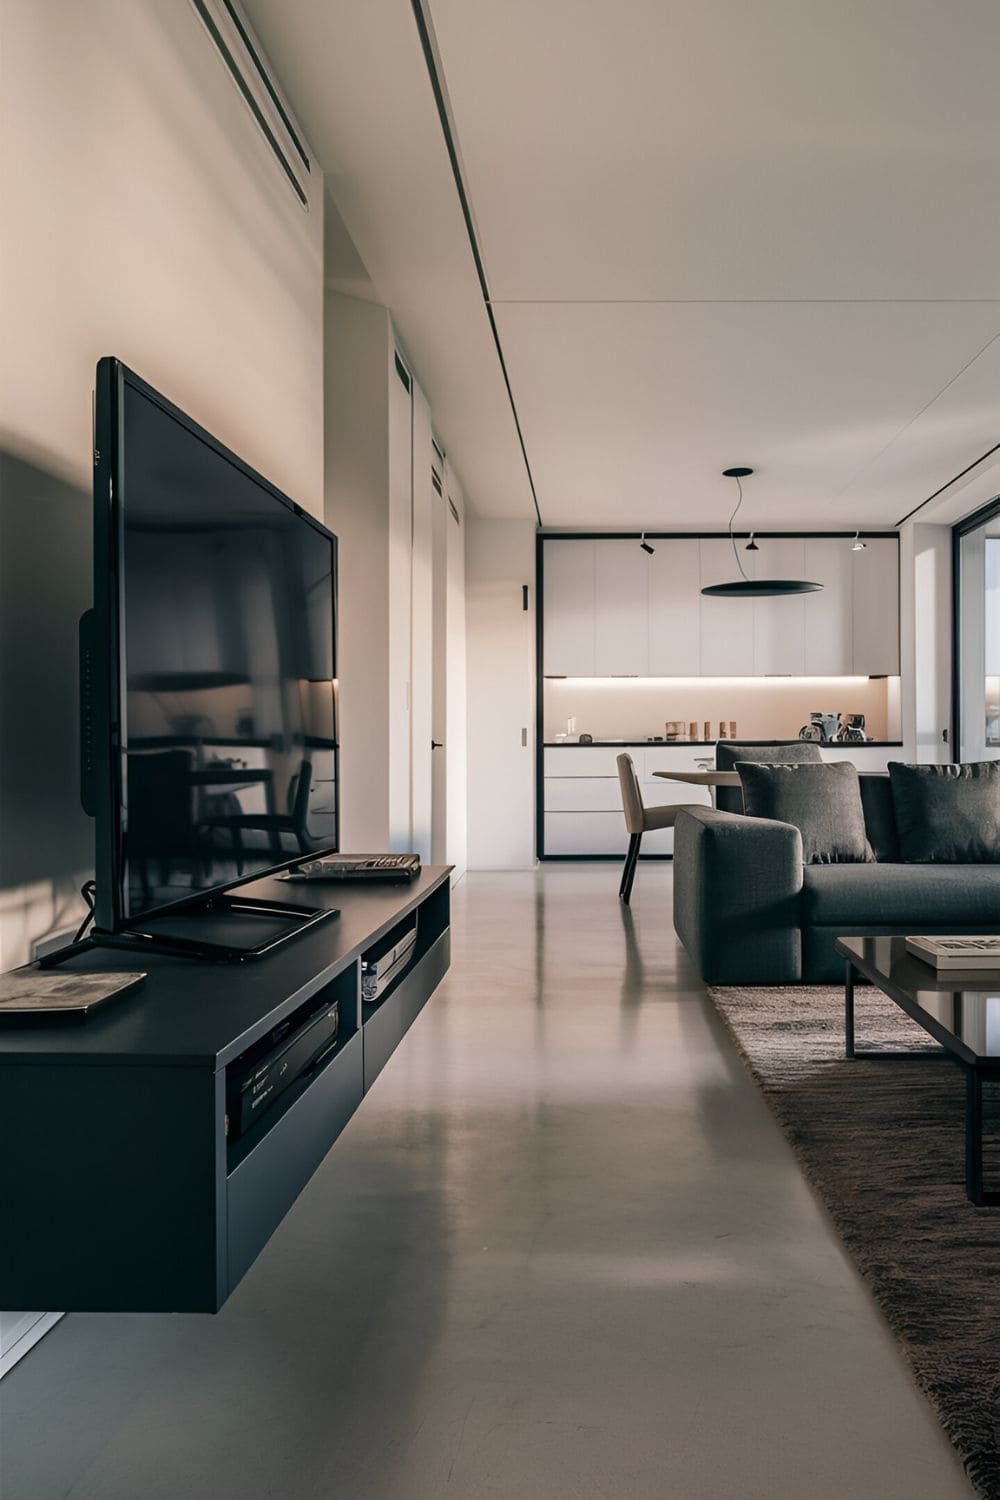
x,y
129,1192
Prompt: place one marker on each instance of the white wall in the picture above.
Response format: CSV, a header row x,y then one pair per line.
x,y
145,217
500,559
761,708
380,502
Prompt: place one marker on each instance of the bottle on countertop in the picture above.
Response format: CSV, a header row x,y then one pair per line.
x,y
708,732
722,729
732,729
692,730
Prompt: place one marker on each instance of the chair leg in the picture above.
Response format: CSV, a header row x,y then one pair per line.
x,y
628,874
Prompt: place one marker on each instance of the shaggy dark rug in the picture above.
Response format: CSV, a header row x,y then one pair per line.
x,y
883,1144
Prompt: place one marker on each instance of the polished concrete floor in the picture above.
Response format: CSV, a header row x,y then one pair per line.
x,y
561,1252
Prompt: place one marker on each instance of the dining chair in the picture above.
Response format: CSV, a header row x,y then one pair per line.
x,y
728,753
638,820
273,825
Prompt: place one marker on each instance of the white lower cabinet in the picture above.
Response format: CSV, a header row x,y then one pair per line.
x,y
593,833
582,797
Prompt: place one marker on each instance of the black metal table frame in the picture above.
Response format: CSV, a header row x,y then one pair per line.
x,y
976,1074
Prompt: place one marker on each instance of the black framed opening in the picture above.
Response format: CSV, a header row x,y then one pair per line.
x,y
975,659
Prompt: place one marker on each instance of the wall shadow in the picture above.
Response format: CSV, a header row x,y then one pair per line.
x,y
45,585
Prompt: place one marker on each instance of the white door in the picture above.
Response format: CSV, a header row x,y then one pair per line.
x,y
456,721
400,546
439,716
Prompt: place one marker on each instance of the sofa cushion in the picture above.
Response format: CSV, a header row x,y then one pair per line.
x,y
948,814
822,801
902,896
728,752
880,816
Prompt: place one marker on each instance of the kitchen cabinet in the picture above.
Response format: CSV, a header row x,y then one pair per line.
x,y
727,625
611,610
828,629
581,796
779,623
569,614
675,608
621,609
875,608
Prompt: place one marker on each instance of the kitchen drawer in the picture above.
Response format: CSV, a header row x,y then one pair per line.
x,y
584,760
585,833
598,833
583,794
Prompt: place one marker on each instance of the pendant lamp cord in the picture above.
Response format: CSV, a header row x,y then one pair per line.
x,y
732,518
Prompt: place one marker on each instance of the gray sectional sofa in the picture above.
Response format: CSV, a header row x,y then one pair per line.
x,y
749,912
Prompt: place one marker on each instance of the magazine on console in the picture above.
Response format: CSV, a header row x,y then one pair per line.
x,y
957,952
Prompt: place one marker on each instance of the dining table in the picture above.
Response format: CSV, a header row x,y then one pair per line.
x,y
702,778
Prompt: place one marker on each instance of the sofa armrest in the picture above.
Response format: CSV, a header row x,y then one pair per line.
x,y
737,888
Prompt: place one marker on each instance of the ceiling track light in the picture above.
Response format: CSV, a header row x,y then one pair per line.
x,y
753,588
645,545
858,545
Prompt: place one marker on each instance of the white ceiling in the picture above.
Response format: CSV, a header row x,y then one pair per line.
x,y
713,234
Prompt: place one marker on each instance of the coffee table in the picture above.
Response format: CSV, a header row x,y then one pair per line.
x,y
960,1011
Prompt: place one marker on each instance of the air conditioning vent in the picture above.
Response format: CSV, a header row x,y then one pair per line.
x,y
235,43
454,512
436,481
438,450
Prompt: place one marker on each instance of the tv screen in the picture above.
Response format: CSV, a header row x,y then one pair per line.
x,y
215,606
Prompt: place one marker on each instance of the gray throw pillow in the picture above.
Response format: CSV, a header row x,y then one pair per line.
x,y
823,801
948,815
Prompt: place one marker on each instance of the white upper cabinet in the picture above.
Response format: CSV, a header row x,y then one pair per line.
x,y
726,624
875,595
779,622
829,615
569,615
621,634
611,610
675,608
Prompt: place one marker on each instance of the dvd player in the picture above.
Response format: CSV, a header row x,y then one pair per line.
x,y
380,968
256,1081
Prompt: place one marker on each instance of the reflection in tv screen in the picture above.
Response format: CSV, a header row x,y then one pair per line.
x,y
230,704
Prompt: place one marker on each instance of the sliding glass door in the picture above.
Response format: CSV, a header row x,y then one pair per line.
x,y
977,635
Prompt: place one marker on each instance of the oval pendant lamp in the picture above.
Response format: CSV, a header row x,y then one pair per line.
x,y
754,588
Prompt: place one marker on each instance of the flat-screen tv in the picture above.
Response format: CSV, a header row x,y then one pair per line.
x,y
213,741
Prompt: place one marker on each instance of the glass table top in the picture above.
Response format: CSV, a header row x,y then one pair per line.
x,y
965,1006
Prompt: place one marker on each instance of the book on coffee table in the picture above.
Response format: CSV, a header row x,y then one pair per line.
x,y
956,953
37,995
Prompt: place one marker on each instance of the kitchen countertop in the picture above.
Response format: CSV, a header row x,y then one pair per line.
x,y
707,744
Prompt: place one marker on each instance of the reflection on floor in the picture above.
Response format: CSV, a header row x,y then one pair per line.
x,y
562,1252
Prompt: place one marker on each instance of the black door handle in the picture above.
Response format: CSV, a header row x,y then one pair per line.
x,y
437,744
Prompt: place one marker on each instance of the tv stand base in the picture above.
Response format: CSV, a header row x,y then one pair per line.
x,y
225,915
